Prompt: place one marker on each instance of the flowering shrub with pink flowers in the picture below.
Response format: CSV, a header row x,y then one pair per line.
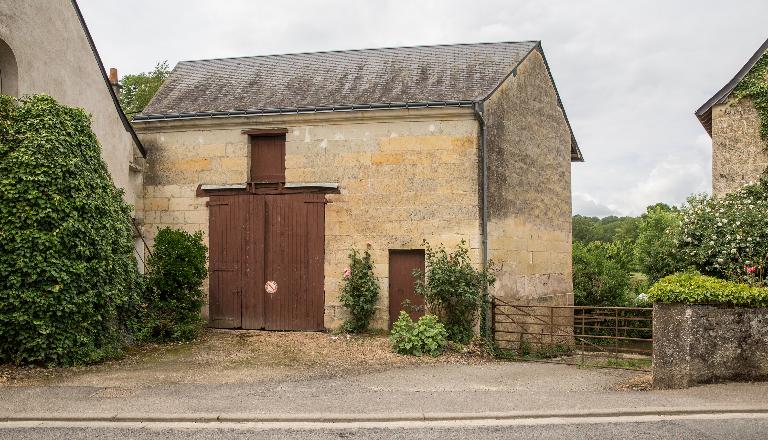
x,y
359,291
727,237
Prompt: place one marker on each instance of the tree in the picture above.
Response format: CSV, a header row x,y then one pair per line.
x,y
599,277
607,229
138,89
655,248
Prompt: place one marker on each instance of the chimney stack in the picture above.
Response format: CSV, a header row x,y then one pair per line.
x,y
113,81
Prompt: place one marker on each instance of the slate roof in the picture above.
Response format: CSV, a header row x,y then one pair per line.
x,y
419,76
404,74
704,113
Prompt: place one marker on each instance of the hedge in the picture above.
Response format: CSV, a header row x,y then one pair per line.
x,y
694,288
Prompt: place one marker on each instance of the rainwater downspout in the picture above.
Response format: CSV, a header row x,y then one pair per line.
x,y
485,325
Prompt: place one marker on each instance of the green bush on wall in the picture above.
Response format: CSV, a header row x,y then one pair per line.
x,y
453,289
359,291
68,274
694,288
727,237
173,297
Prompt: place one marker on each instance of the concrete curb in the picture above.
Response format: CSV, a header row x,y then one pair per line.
x,y
380,418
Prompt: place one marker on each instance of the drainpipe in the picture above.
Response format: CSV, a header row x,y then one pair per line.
x,y
479,113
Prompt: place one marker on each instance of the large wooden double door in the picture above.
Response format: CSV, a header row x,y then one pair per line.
x,y
258,239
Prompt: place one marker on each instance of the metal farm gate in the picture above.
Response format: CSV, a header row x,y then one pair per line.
x,y
610,337
266,261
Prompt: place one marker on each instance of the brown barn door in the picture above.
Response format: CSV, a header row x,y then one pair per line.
x,y
253,274
294,253
259,238
227,233
402,284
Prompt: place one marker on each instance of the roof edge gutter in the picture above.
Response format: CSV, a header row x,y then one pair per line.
x,y
302,110
479,109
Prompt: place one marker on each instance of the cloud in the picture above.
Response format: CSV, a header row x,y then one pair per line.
x,y
671,181
584,204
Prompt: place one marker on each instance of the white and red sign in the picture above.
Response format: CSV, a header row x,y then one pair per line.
x,y
271,287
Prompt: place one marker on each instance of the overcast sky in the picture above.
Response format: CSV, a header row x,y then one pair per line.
x,y
630,74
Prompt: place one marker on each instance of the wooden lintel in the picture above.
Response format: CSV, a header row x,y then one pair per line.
x,y
255,188
265,131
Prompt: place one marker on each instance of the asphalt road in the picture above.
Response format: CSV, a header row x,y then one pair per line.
x,y
730,426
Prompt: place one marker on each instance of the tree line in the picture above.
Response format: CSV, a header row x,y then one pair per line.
x,y
616,259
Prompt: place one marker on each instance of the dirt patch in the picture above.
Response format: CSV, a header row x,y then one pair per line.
x,y
226,356
635,383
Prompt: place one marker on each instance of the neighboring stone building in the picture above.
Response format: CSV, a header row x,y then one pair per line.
x,y
739,155
286,162
45,47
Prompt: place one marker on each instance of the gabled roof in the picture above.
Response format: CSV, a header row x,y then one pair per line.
x,y
445,73
704,113
115,101
397,77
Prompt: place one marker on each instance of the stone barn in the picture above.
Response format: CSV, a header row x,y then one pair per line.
x,y
739,154
286,162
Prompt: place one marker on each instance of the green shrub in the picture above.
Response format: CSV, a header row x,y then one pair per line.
x,y
359,292
694,288
599,277
173,297
727,236
68,274
426,336
656,246
453,289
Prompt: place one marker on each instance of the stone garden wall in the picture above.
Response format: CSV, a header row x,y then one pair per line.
x,y
696,344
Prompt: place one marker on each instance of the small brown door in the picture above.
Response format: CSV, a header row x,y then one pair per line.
x,y
402,283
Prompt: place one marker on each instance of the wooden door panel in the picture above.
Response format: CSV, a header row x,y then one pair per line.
x,y
293,259
268,158
253,274
402,284
226,240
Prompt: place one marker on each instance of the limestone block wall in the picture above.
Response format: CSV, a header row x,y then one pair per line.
x,y
738,153
404,176
696,344
529,188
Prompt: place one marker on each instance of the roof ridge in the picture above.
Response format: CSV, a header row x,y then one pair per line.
x,y
420,46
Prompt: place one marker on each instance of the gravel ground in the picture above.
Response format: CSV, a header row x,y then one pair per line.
x,y
227,356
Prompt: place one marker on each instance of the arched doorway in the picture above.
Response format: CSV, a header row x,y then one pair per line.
x,y
9,74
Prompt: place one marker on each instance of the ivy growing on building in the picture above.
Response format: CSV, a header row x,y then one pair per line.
x,y
68,276
755,87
